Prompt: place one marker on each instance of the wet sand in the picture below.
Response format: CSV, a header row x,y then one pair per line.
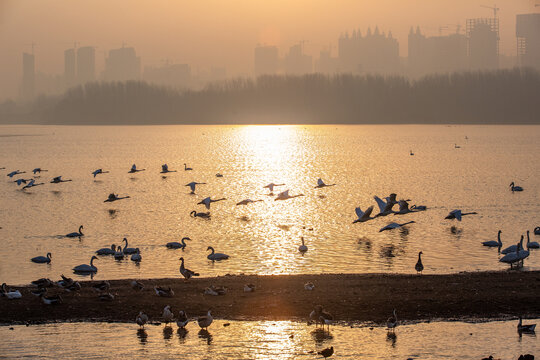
x,y
350,297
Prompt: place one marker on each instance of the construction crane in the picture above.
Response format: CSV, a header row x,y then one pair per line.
x,y
494,8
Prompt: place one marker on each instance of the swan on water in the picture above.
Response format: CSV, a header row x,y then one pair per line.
x,y
16,172
247,201
205,321
163,292
182,319
165,169
219,175
513,257
134,169
186,168
204,215
493,243
141,319
216,256
99,171
137,256
512,248
537,230
207,201
113,197
39,170
10,293
302,248
58,179
419,267
85,268
395,226
128,250
76,234
107,251
176,244
321,184
32,183
185,272
456,146
363,215
285,195
42,259
531,244
167,315
514,187
193,184
271,186
385,208
457,214
392,322
525,328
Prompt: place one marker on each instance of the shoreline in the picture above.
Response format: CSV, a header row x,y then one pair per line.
x,y
351,298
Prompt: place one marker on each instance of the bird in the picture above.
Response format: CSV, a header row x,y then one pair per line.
x,y
134,169
186,168
411,153
193,184
418,207
186,273
493,243
21,181
456,146
302,248
216,256
65,282
128,250
271,186
327,352
309,286
85,268
207,201
32,183
395,226
419,267
107,251
247,201
76,234
101,286
177,245
10,293
141,319
106,297
403,208
219,175
513,257
42,259
531,244
38,291
182,319
392,322
204,215
525,328
39,170
118,254
16,172
167,315
51,299
363,215
42,283
326,319
385,208
457,214
215,290
137,256
512,248
59,179
321,184
249,288
136,285
164,292
537,230
113,197
99,171
285,195
205,321
165,169
514,187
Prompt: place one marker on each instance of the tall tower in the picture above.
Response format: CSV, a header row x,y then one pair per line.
x,y
86,64
69,67
29,76
483,35
528,39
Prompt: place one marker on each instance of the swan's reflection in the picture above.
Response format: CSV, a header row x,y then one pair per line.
x,y
204,334
320,335
142,335
167,332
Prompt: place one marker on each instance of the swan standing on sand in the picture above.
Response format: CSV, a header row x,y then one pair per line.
x,y
141,319
285,195
204,215
113,197
107,251
10,293
176,244
99,171
205,321
207,201
531,244
457,214
85,268
494,243
32,183
392,322
76,234
134,169
363,215
395,226
216,256
186,273
247,201
514,187
321,184
525,328
302,248
165,169
419,267
167,315
186,168
193,184
58,179
271,186
42,259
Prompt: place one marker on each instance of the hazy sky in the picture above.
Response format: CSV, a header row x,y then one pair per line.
x,y
207,33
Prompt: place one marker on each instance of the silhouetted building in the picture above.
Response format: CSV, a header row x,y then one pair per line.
x,y
29,76
69,67
175,75
122,64
373,53
266,60
86,64
483,37
436,53
528,38
296,62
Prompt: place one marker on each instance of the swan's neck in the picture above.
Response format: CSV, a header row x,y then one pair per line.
x,y
92,262
420,257
499,238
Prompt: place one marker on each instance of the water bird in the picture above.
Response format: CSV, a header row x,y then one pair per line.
x,y
76,234
38,291
392,322
525,328
16,172
39,170
137,256
85,268
215,290
271,186
418,207
185,272
249,288
107,251
285,195
136,285
165,169
394,225
512,258
58,179
456,146
411,153
99,171
204,215
177,245
193,184
219,175
42,259
106,297
51,299
514,187
113,197
182,319
214,256
537,230
75,286
134,169
207,201
247,201
101,286
321,184
10,293
186,168
327,352
167,315
419,267
531,244
65,282
513,248
309,286
363,215
43,283
457,214
32,183
118,254
21,181
141,319
493,243
127,250
163,292
205,321
385,207
302,248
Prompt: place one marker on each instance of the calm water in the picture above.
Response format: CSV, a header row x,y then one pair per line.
x,y
267,340
263,237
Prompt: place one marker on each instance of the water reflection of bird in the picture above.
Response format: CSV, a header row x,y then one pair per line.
x,y
419,267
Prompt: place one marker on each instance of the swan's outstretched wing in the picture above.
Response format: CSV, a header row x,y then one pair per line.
x,y
381,203
359,212
457,214
320,182
284,194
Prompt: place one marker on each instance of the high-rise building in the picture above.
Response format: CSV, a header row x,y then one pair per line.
x,y
528,38
266,60
29,76
69,67
296,62
122,64
483,37
86,64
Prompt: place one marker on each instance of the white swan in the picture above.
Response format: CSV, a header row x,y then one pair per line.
x,y
216,256
10,293
363,215
302,248
321,184
205,321
514,187
99,171
134,169
271,186
167,315
531,244
395,226
419,267
457,214
85,268
285,195
32,183
76,234
193,184
493,243
42,259
176,244
207,201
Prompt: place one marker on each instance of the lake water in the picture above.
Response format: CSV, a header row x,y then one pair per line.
x,y
263,237
267,340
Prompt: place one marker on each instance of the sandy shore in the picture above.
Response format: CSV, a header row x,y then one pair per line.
x,y
350,297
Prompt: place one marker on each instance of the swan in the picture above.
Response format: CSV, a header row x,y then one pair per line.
x,y
392,322
321,184
10,293
285,195
302,248
76,234
99,171
326,352
215,290
537,230
204,215
51,299
165,169
167,315
16,172
75,286
59,179
186,273
39,170
419,267
113,197
38,291
511,258
219,175
176,244
216,256
137,256
385,208
403,208
163,292
531,244
193,184
525,328
141,319
271,186
65,282
207,201
128,250
186,168
118,254
42,283
21,181
182,319
309,286
494,243
101,286
513,248
107,251
457,214
315,314
134,169
249,288
395,226
363,215
205,321
247,201
418,207
32,183
42,259
85,268
326,319
514,187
